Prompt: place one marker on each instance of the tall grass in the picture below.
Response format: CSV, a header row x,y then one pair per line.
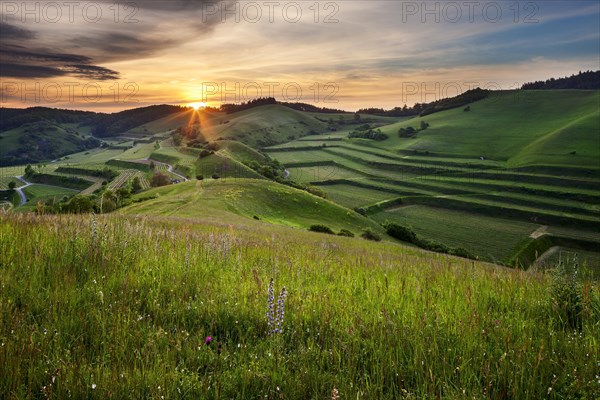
x,y
101,307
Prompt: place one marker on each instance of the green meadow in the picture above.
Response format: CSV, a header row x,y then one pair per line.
x,y
149,307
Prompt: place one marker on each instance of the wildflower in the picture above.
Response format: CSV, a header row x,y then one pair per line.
x,y
270,311
335,395
208,340
280,309
93,386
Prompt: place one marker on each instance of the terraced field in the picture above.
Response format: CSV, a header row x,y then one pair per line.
x,y
455,191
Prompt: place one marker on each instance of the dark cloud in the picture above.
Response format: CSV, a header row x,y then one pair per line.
x,y
91,72
20,63
29,71
112,46
77,52
8,31
14,52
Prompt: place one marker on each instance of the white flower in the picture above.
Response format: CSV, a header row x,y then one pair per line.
x,y
93,386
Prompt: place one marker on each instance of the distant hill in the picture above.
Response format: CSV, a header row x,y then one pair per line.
x,y
263,101
521,127
15,117
108,125
422,109
588,80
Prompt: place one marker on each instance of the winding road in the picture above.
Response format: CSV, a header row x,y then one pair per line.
x,y
20,189
171,170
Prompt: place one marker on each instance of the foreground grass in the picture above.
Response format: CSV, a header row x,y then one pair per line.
x,y
100,307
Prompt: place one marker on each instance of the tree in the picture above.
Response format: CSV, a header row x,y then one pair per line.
x,y
152,165
29,170
159,179
12,185
136,185
357,117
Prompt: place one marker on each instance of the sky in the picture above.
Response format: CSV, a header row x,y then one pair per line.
x,y
345,54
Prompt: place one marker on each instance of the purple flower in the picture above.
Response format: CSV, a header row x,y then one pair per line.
x,y
208,340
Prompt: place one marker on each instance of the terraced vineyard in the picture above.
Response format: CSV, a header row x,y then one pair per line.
x,y
458,195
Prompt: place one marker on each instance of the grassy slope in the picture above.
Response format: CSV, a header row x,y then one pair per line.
x,y
273,122
121,307
51,132
524,125
269,201
492,239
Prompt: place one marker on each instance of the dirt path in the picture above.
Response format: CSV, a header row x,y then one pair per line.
x,y
20,190
541,231
548,253
170,169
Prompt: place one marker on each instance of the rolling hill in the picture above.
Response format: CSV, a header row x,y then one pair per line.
x,y
555,127
248,198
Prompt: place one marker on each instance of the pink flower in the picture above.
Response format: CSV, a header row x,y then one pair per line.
x,y
208,340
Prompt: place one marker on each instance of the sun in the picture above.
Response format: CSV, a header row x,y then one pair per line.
x,y
198,105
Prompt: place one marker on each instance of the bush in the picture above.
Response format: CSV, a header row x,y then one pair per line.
x,y
370,235
200,177
407,132
400,232
321,229
159,179
346,233
205,153
215,176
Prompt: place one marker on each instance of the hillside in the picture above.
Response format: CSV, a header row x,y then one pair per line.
x,y
43,141
512,127
152,306
270,202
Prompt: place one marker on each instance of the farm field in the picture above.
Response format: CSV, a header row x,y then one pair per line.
x,y
520,180
36,192
493,239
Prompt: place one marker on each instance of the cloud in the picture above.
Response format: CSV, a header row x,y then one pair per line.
x,y
28,71
9,31
20,63
77,47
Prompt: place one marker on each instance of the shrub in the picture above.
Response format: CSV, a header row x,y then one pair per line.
x,y
370,235
407,132
346,232
321,229
200,177
205,153
159,179
215,176
400,232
